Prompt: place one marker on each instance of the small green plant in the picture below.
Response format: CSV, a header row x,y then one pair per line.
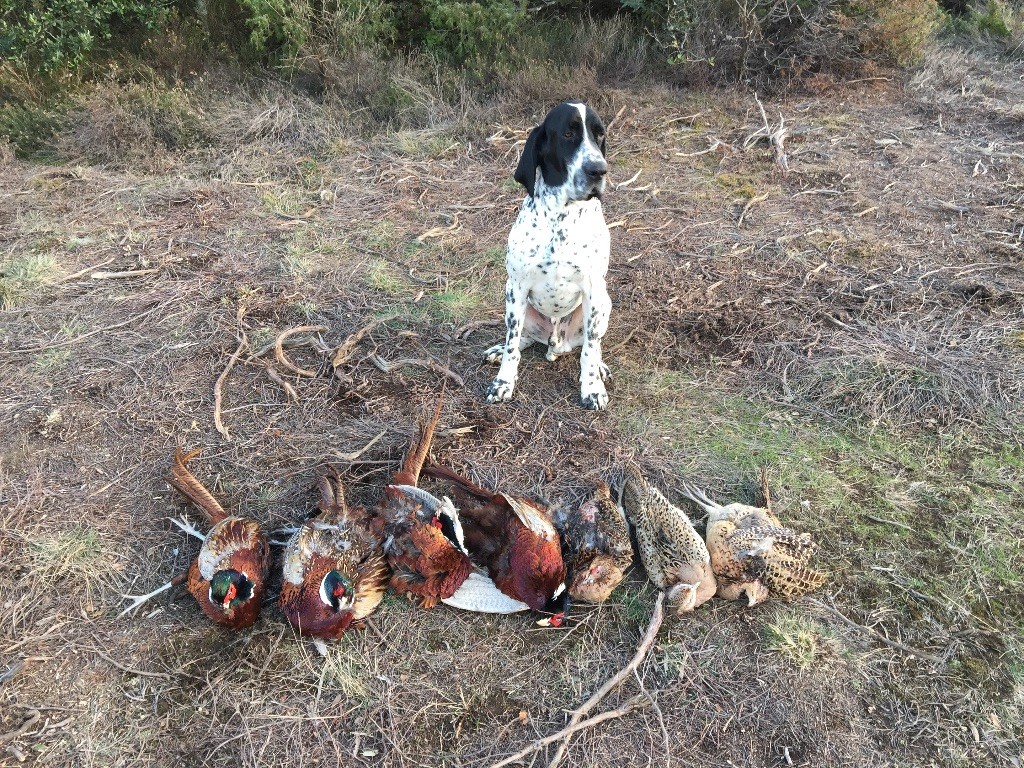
x,y
21,273
797,638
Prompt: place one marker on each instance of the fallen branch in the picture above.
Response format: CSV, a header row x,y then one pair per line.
x,y
21,730
874,633
349,344
641,652
127,273
389,365
750,204
570,730
278,379
775,136
218,387
282,358
353,455
86,271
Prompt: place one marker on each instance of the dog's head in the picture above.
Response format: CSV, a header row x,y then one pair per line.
x,y
568,149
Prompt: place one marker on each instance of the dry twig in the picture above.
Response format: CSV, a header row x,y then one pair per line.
x,y
218,387
278,379
349,344
282,358
389,365
875,633
33,718
750,204
570,730
604,690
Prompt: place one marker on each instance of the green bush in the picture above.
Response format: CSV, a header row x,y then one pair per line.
x,y
50,36
464,31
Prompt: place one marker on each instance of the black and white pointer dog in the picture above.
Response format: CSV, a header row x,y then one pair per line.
x,y
557,254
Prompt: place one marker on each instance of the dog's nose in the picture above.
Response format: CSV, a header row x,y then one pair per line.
x,y
595,169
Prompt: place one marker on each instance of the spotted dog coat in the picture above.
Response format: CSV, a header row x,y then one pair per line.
x,y
557,254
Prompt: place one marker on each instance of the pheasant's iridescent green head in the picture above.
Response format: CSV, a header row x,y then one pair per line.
x,y
230,589
337,591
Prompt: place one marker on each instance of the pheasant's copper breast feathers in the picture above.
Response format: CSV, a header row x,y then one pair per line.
x,y
189,487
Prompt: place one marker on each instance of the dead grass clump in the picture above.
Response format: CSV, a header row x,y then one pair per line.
x,y
19,274
139,124
899,378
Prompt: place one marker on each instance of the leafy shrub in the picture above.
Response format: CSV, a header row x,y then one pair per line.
x,y
472,30
50,36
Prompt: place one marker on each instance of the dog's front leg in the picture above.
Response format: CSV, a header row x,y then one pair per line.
x,y
597,307
515,314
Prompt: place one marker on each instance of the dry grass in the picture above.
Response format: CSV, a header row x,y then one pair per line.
x,y
855,332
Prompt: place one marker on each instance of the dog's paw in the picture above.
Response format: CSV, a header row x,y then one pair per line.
x,y
494,354
500,391
605,371
597,400
551,355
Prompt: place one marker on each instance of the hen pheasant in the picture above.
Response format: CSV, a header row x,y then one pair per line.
x,y
335,571
228,577
673,553
752,553
596,547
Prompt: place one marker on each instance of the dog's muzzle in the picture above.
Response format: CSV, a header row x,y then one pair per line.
x,y
593,172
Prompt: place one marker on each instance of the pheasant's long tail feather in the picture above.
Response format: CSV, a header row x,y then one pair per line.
x,y
332,504
420,447
695,494
188,486
458,480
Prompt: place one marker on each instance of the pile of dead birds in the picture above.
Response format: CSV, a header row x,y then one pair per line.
x,y
481,550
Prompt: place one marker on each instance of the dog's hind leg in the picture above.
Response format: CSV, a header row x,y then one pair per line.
x,y
504,383
536,328
597,307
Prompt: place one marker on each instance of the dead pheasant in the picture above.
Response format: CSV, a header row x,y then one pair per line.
x,y
596,547
672,551
422,534
335,571
752,553
228,577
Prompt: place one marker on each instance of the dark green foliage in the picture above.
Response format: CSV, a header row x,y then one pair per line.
x,y
50,36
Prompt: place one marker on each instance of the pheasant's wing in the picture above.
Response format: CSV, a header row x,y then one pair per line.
x,y
614,531
779,556
532,516
371,582
231,539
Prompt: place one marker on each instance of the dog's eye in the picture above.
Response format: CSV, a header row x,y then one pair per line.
x,y
569,134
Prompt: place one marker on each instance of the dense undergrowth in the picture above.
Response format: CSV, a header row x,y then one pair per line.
x,y
99,80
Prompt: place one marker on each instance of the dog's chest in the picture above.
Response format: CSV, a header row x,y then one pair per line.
x,y
558,251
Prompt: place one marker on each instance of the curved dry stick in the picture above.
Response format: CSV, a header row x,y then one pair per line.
x,y
389,365
641,652
279,348
346,347
570,730
33,718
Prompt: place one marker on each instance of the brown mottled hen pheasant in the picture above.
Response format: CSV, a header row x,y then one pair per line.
x,y
596,547
228,577
753,554
335,571
673,553
514,539
422,534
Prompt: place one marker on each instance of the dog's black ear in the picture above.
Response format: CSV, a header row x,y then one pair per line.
x,y
603,153
526,171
